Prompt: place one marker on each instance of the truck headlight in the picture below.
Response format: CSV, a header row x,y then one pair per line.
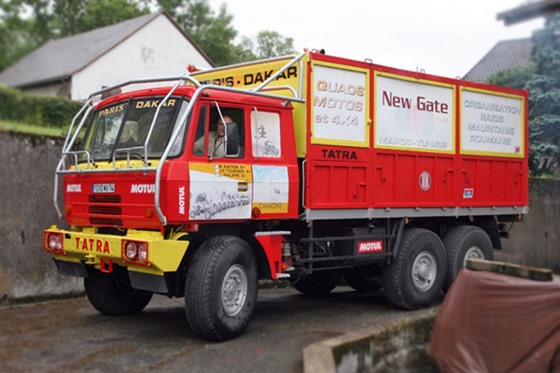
x,y
53,242
135,252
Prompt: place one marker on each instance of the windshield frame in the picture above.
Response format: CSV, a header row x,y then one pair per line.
x,y
133,120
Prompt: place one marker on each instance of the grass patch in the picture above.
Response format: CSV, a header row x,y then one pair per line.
x,y
31,129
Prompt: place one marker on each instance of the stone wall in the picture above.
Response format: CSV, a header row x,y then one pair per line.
x,y
536,241
27,165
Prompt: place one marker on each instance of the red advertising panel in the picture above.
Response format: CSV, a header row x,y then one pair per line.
x,y
493,148
414,138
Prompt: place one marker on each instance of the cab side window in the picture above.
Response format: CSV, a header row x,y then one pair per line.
x,y
265,127
210,136
200,139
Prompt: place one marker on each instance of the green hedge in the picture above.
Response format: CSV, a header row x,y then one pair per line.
x,y
36,110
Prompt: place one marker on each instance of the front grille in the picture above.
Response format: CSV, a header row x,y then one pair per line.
x,y
104,199
106,221
105,210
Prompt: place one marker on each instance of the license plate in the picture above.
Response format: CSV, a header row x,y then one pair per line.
x,y
103,188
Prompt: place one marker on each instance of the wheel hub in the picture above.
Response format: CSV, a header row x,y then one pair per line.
x,y
234,290
424,271
474,252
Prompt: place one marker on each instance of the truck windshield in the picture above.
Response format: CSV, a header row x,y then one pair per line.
x,y
124,127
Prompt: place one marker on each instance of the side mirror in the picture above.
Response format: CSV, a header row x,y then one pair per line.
x,y
232,139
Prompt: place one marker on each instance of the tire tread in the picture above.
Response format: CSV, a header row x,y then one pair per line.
x,y
104,294
202,288
395,284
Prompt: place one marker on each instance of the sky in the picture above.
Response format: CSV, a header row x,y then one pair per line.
x,y
440,37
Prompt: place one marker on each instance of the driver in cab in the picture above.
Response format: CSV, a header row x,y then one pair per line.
x,y
216,143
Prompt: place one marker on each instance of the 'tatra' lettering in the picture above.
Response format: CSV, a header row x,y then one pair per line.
x,y
339,154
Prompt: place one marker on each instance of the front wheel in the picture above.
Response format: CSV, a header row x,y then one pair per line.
x,y
111,293
463,243
415,277
221,288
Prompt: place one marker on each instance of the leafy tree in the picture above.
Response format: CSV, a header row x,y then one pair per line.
x,y
515,77
245,50
27,24
216,35
19,36
542,80
271,44
73,17
544,107
70,17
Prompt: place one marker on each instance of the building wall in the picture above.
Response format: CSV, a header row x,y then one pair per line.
x,y
159,49
27,165
61,89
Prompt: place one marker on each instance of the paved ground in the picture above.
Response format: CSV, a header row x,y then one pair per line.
x,y
69,335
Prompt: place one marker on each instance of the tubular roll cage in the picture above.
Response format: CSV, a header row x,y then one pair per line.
x,y
83,113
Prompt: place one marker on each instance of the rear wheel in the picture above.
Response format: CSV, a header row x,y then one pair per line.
x,y
319,283
221,288
414,278
462,243
111,293
364,278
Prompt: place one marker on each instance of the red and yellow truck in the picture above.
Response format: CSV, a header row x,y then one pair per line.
x,y
328,168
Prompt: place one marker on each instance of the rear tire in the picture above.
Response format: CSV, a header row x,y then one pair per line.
x,y
414,279
364,278
462,243
221,288
111,293
317,284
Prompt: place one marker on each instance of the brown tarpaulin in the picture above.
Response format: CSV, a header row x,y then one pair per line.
x,y
492,322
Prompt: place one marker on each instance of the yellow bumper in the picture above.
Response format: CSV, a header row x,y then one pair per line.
x,y
102,250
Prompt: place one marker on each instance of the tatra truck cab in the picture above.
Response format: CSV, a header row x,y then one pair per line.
x,y
325,168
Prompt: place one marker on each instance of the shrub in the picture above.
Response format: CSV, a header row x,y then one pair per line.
x,y
36,110
10,104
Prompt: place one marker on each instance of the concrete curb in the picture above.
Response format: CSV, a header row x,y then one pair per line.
x,y
394,346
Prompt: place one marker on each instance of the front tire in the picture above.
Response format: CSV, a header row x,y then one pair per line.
x,y
414,279
221,288
111,293
462,243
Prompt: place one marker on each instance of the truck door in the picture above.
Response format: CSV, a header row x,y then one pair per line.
x,y
259,181
274,168
220,180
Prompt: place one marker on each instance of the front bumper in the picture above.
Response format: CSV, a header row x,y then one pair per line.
x,y
102,251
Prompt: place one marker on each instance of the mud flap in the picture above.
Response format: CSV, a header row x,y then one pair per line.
x,y
145,281
71,269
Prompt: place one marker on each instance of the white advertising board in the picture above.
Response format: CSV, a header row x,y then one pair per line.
x,y
413,114
340,109
491,124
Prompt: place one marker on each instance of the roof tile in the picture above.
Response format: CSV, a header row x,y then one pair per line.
x,y
503,56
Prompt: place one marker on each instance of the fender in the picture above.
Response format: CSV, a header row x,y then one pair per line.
x,y
271,242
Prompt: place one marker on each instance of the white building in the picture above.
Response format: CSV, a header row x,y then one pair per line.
x,y
150,46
